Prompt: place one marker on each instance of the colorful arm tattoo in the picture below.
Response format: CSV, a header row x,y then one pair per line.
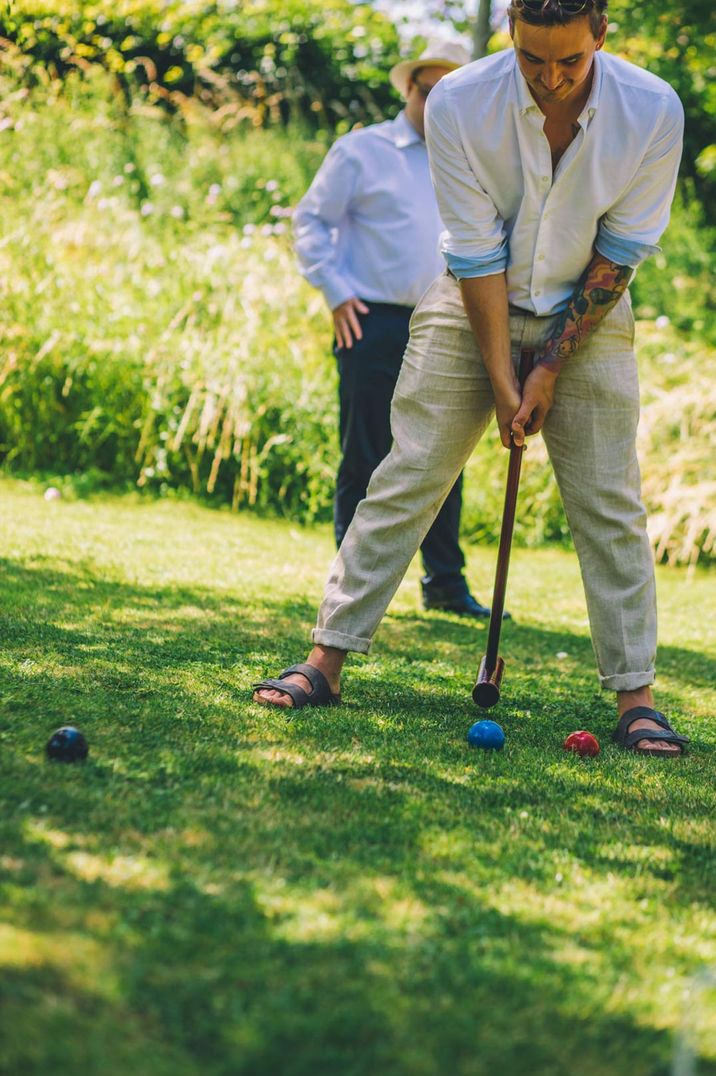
x,y
598,290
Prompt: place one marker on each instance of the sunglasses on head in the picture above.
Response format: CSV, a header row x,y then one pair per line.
x,y
553,7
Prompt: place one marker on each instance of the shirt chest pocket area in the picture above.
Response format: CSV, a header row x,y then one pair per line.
x,y
381,204
385,198
612,173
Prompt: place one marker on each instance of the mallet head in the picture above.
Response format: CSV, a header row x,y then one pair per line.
x,y
486,692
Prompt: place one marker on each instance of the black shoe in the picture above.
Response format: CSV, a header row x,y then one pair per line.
x,y
463,605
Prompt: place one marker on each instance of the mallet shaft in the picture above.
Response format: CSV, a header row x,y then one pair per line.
x,y
487,687
503,555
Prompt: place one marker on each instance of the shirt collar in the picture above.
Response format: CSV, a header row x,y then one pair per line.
x,y
592,104
403,132
526,102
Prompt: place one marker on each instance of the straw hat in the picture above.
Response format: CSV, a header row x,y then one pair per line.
x,y
439,53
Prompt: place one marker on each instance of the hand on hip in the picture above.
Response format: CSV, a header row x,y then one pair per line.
x,y
346,323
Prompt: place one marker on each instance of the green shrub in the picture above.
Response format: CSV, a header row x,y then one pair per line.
x,y
680,282
676,40
324,63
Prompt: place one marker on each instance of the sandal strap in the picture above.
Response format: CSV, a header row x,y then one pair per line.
x,y
665,732
321,695
314,676
296,693
653,734
629,716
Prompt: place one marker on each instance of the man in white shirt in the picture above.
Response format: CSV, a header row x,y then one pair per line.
x,y
554,167
367,235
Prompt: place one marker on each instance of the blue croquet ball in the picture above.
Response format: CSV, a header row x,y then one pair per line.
x,y
486,734
67,745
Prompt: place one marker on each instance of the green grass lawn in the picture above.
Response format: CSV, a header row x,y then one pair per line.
x,y
355,892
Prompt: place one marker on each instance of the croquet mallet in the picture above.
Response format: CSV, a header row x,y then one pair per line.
x,y
486,692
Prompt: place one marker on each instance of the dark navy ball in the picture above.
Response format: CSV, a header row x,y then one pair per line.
x,y
67,745
486,734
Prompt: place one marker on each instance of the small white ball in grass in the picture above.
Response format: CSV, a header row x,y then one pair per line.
x,y
662,322
52,493
561,655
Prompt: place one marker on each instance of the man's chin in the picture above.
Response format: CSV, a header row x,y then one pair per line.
x,y
553,95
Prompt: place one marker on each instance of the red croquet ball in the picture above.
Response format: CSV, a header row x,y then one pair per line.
x,y
582,743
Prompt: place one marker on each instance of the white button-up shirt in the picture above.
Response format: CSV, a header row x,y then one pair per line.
x,y
502,206
369,224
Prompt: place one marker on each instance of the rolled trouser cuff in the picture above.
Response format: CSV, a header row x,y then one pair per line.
x,y
627,681
337,639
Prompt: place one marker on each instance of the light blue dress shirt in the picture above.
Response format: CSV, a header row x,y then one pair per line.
x,y
503,207
369,224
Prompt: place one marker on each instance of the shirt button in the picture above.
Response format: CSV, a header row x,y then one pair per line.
x,y
538,292
545,179
540,257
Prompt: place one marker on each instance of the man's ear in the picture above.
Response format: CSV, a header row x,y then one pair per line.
x,y
602,32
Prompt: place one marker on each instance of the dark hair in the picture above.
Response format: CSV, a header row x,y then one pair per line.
x,y
558,12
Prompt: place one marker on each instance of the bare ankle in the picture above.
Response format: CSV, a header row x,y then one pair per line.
x,y
641,696
330,660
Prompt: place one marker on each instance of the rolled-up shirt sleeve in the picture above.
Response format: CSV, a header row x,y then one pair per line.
x,y
630,230
315,220
474,242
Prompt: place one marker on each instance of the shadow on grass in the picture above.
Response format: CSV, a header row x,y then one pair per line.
x,y
221,983
354,894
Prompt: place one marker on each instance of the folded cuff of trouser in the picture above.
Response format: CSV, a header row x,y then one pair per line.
x,y
628,681
340,641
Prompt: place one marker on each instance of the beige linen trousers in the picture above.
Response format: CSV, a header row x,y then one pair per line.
x,y
442,404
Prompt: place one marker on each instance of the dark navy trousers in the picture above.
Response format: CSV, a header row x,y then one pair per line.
x,y
368,373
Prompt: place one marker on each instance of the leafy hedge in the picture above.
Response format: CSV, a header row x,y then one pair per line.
x,y
676,39
324,63
327,62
